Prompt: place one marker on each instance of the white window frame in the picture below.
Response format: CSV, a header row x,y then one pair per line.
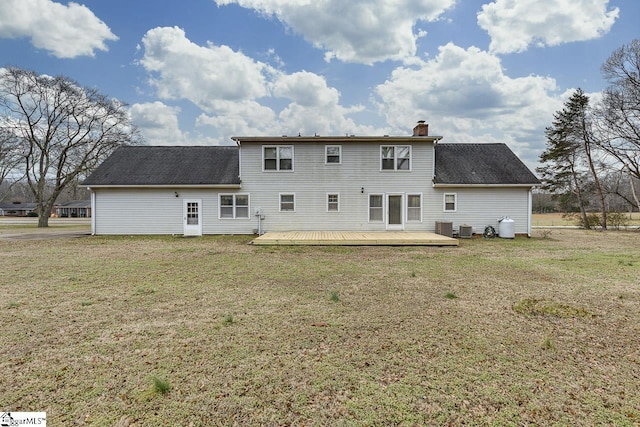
x,y
234,206
419,208
280,202
381,220
326,154
395,158
455,202
278,147
337,202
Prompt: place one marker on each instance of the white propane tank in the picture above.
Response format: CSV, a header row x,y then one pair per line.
x,y
506,228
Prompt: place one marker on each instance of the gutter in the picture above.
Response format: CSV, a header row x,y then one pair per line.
x,y
163,186
435,185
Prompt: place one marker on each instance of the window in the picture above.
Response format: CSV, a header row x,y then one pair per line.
x,y
395,157
192,213
234,206
333,154
333,202
414,207
277,158
450,202
287,202
375,207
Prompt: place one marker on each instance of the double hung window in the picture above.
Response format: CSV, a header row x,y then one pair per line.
x,y
450,202
395,157
333,154
333,202
414,207
287,202
234,206
375,207
277,158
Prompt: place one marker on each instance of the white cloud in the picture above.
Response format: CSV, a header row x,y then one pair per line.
x,y
66,31
158,123
239,95
466,97
306,89
234,118
181,69
362,31
514,25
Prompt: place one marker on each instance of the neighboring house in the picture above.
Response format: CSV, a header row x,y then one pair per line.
x,y
74,209
350,183
17,209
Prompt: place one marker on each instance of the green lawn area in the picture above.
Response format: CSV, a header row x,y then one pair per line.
x,y
212,331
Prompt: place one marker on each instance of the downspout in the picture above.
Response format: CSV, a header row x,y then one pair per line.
x,y
529,212
93,212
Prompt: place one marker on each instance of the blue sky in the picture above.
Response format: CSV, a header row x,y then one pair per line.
x,y
199,72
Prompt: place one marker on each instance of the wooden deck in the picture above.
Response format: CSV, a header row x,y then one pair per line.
x,y
350,238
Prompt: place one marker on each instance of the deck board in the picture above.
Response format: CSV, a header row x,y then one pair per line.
x,y
354,238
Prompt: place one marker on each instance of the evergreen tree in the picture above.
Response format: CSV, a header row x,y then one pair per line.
x,y
569,155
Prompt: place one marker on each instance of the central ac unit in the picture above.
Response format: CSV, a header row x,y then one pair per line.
x,y
466,231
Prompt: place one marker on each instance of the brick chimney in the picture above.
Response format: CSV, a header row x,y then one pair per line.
x,y
421,129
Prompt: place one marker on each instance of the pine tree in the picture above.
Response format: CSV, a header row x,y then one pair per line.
x,y
568,158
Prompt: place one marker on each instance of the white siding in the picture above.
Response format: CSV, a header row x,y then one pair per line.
x,y
480,207
355,178
159,211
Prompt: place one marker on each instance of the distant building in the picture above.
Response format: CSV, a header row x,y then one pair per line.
x,y
74,209
17,209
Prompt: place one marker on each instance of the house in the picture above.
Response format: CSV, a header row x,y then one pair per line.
x,y
304,183
74,209
17,209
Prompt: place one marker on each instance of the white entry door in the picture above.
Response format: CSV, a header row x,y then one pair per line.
x,y
192,216
395,220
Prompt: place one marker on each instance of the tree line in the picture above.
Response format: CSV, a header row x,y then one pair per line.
x,y
593,146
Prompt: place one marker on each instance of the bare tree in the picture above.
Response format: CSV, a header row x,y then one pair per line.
x,y
65,130
619,111
9,158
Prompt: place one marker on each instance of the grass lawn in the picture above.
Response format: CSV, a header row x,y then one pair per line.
x,y
211,331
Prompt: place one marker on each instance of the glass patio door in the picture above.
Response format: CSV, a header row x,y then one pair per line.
x,y
394,212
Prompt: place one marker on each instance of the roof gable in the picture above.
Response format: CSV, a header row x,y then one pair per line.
x,y
162,166
480,164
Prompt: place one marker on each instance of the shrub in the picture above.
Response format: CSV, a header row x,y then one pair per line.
x,y
32,214
334,296
593,219
617,220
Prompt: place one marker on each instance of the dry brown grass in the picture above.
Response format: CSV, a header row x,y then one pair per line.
x,y
242,335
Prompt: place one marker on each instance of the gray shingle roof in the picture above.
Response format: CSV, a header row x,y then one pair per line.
x,y
76,204
152,165
480,164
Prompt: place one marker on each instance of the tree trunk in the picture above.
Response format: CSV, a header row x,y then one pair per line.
x,y
578,193
603,206
596,180
633,188
43,215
